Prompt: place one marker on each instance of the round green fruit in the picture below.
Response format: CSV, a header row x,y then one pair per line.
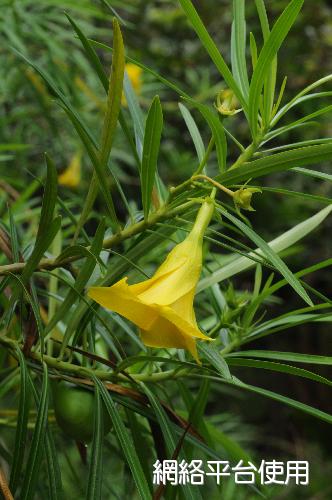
x,y
74,409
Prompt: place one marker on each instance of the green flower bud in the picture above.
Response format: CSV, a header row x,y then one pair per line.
x,y
242,198
227,103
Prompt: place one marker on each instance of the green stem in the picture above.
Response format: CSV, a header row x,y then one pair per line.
x,y
248,152
205,157
108,243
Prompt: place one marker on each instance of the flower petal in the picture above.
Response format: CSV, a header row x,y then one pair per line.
x,y
121,299
165,334
176,277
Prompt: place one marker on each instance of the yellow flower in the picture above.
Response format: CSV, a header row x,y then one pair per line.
x,y
134,73
71,177
162,306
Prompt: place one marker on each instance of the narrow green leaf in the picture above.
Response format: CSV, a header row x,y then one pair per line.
x,y
313,173
95,477
13,237
53,469
98,68
111,116
48,227
326,417
43,242
81,280
162,418
279,367
151,145
281,94
135,112
212,50
253,51
290,126
22,425
217,130
238,47
279,162
313,359
194,132
270,254
267,54
30,477
214,358
298,98
169,437
114,95
264,22
126,443
138,63
138,430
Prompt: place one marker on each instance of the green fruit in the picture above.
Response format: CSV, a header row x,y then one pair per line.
x,y
74,409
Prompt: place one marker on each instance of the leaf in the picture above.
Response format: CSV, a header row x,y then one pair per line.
x,y
313,173
30,477
326,417
151,145
280,367
96,458
270,80
277,163
81,280
265,59
270,254
238,47
48,227
298,97
212,50
135,112
53,469
168,435
138,63
292,125
42,244
313,359
215,359
194,132
114,95
22,425
99,70
111,116
279,244
217,130
163,421
125,442
13,237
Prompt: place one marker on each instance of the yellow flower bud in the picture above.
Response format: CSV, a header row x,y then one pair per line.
x,y
162,306
227,103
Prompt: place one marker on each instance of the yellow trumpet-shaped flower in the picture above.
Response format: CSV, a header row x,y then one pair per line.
x,y
162,306
71,177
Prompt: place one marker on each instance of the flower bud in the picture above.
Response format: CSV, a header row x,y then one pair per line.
x,y
227,103
242,198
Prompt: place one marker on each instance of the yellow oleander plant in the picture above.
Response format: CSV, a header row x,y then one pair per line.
x,y
141,311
